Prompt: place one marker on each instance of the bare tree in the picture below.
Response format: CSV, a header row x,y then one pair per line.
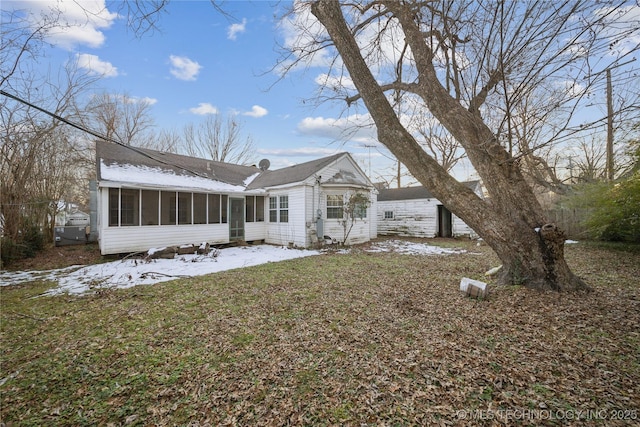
x,y
20,43
35,173
119,117
168,140
218,139
589,164
35,152
460,58
441,145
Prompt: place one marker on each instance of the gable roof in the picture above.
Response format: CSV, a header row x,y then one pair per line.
x,y
292,174
114,155
412,193
144,166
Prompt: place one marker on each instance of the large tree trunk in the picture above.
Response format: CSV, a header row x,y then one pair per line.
x,y
511,221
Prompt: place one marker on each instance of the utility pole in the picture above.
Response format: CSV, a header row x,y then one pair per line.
x,y
609,127
609,151
369,146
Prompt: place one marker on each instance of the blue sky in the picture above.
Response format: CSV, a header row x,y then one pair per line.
x,y
202,62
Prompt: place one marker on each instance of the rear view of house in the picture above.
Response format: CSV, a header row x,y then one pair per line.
x,y
149,199
414,211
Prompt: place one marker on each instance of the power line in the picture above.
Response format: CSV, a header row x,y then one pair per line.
x,y
95,134
60,118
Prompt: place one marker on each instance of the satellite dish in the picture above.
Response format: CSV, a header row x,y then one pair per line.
x,y
264,164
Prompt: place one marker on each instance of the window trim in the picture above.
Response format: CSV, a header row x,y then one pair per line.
x,y
337,209
279,209
283,208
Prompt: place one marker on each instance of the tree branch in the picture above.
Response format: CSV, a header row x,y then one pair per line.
x,y
399,86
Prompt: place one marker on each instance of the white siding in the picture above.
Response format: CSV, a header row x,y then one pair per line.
x,y
372,214
417,218
114,240
292,232
254,231
310,207
460,228
363,230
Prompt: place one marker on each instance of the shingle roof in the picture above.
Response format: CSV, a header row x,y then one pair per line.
x,y
410,193
291,174
111,153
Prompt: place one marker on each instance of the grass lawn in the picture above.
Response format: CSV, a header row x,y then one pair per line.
x,y
334,339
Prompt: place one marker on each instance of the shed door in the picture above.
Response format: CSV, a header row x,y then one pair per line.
x,y
236,219
444,222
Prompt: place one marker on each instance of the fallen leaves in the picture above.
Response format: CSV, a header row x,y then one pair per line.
x,y
360,339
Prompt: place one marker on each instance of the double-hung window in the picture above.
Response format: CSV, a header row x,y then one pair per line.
x,y
360,211
273,209
284,208
335,206
279,209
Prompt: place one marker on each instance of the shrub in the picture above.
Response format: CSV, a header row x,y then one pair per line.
x,y
9,251
32,241
616,211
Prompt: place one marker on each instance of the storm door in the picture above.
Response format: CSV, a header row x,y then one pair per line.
x,y
236,219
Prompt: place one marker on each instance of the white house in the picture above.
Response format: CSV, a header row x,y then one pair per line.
x,y
149,199
413,211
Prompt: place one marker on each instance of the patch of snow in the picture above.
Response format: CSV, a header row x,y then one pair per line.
x,y
127,273
132,272
250,179
17,277
410,248
570,242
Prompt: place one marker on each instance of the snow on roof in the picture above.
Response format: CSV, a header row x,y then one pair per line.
x,y
145,175
250,179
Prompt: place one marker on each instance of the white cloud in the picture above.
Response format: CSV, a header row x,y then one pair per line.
x,y
354,128
299,31
621,27
335,83
95,65
148,100
570,87
203,109
256,111
138,100
75,22
184,68
235,29
126,99
299,152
